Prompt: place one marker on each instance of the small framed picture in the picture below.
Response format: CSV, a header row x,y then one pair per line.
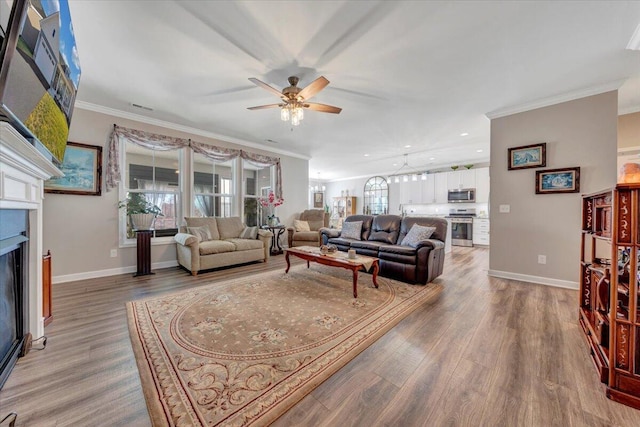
x,y
528,156
318,200
565,180
82,168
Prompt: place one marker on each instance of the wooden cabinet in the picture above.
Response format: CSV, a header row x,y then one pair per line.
x,y
429,189
609,288
342,208
481,231
47,306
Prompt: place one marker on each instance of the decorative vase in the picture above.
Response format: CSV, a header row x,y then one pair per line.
x,y
142,221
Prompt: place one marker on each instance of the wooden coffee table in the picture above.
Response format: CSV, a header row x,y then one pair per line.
x,y
336,259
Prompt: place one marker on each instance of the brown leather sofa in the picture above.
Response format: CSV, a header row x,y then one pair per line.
x,y
381,236
317,218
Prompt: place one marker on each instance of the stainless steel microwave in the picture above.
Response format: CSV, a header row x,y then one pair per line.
x,y
464,195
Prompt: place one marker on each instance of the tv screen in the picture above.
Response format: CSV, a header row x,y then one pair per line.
x,y
39,72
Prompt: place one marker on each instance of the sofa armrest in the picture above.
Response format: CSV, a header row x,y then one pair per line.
x,y
185,239
290,232
265,237
430,243
328,233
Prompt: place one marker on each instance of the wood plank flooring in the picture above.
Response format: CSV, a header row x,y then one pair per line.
x,y
487,352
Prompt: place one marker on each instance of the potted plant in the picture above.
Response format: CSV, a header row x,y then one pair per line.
x,y
141,212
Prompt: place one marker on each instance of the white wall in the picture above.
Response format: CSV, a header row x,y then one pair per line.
x,y
581,133
80,231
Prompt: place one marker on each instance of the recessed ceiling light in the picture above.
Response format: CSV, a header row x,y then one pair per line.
x,y
407,146
432,158
366,155
395,164
479,150
464,134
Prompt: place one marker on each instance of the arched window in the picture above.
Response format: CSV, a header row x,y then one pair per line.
x,y
376,196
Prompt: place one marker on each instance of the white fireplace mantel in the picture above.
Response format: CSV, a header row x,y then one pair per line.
x,y
23,170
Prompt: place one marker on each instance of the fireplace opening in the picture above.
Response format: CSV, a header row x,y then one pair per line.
x,y
13,289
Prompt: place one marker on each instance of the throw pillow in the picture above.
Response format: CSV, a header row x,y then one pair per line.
x,y
416,234
202,233
352,230
249,233
301,225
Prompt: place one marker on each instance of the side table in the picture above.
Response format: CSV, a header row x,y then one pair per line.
x,y
143,244
277,230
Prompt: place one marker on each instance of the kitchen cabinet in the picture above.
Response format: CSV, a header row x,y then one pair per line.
x,y
394,197
429,188
481,228
482,185
441,188
462,178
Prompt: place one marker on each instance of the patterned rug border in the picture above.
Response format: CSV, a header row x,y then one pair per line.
x,y
302,381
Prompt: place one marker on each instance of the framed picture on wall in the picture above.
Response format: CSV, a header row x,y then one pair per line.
x,y
528,156
318,200
82,168
565,180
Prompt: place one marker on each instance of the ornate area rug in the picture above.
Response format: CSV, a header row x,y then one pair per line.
x,y
243,351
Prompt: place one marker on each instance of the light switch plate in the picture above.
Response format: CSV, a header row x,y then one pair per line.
x,y
505,208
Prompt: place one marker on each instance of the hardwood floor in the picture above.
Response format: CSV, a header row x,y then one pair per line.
x,y
488,352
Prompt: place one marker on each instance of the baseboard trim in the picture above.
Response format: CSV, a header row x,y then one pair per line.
x,y
110,272
567,284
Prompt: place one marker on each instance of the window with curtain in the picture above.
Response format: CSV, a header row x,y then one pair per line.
x,y
257,183
212,187
155,176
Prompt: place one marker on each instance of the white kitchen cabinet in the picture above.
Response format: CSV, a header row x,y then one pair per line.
x,y
482,185
461,178
441,188
481,231
429,189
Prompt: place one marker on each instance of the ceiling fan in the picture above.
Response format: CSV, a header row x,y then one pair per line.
x,y
294,99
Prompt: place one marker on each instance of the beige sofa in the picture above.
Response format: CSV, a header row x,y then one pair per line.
x,y
226,243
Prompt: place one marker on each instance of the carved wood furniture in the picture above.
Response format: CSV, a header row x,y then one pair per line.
x,y
609,288
337,259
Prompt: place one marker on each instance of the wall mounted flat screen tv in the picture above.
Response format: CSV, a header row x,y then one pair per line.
x,y
39,71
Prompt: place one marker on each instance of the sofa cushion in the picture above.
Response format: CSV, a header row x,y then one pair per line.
x,y
315,225
301,225
385,228
202,233
208,221
306,236
249,233
416,234
217,247
366,224
245,244
368,244
351,230
229,228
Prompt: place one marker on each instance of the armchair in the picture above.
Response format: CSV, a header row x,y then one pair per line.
x,y
317,219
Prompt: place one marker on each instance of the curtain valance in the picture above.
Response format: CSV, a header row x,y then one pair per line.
x,y
158,142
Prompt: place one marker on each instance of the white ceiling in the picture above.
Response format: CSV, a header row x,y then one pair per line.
x,y
415,73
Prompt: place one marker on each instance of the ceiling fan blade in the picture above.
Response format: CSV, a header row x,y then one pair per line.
x,y
314,87
324,108
262,107
265,86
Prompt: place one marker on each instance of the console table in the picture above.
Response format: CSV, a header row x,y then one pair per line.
x,y
277,231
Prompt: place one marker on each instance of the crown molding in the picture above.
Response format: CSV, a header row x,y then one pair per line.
x,y
88,106
629,110
557,99
634,41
